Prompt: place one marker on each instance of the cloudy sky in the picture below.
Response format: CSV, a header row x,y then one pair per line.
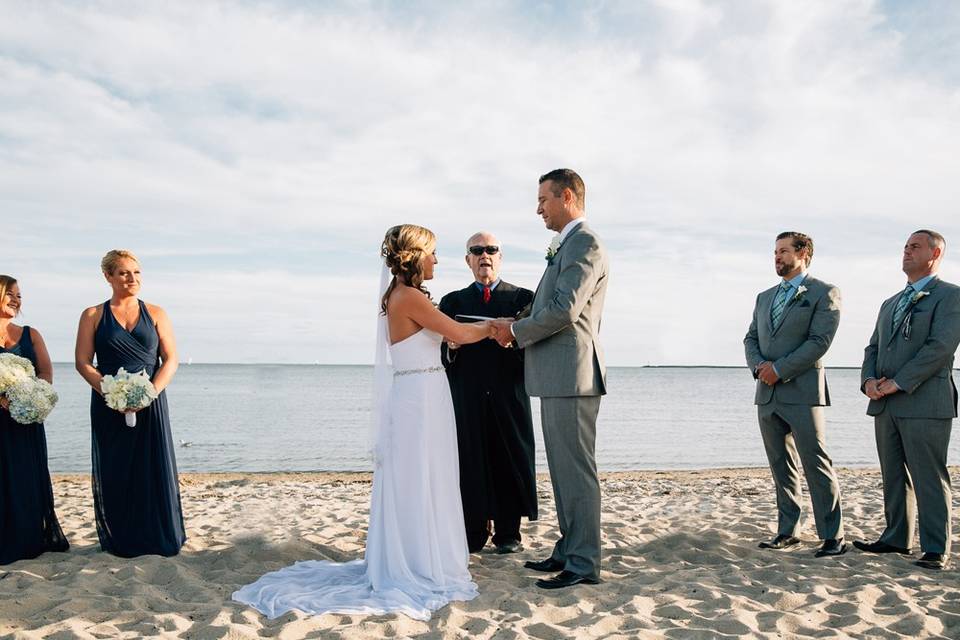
x,y
253,154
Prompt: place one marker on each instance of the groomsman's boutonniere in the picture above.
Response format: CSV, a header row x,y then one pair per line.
x,y
798,296
553,248
907,327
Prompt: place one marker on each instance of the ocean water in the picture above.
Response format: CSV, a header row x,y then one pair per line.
x,y
316,418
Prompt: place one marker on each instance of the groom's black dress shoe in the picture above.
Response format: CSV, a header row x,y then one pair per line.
x,y
780,542
513,546
936,561
565,579
879,547
547,566
831,547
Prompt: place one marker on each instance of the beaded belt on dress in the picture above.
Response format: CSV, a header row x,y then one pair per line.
x,y
407,372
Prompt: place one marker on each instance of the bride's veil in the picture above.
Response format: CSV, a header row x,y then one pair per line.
x,y
382,371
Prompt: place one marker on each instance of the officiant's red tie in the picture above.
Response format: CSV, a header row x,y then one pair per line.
x,y
486,295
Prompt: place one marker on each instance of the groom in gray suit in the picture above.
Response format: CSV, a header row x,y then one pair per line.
x,y
907,374
564,367
792,328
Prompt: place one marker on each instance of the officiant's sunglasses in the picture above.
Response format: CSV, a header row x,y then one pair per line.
x,y
490,250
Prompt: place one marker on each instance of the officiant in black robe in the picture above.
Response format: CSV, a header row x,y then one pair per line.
x,y
494,426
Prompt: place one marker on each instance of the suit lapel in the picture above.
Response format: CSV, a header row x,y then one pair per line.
x,y
791,303
930,286
766,307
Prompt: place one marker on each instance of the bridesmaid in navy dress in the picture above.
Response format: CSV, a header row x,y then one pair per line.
x,y
28,523
136,495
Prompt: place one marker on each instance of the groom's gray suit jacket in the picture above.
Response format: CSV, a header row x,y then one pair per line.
x,y
797,345
563,357
563,365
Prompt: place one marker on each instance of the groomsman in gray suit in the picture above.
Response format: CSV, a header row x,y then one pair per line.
x,y
564,366
792,328
907,374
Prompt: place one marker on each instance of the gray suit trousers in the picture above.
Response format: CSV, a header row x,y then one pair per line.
x,y
913,460
792,433
569,436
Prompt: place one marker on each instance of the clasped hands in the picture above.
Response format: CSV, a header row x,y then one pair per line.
x,y
767,374
499,330
876,388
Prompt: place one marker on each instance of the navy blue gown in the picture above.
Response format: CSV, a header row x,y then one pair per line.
x,y
136,495
28,523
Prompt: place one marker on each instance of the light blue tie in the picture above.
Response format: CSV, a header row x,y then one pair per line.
x,y
780,303
902,305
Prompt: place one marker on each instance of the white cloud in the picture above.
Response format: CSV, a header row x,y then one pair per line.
x,y
238,143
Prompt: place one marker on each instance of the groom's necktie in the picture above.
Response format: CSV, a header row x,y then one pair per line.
x,y
486,294
902,305
780,304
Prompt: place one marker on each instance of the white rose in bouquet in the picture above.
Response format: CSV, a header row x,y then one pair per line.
x,y
30,399
14,370
128,392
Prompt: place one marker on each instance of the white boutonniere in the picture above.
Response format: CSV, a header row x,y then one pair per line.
x,y
798,296
907,327
553,248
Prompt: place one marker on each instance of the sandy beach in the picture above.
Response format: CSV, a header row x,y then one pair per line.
x,y
680,561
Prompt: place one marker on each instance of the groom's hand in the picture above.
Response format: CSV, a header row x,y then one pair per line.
x,y
503,335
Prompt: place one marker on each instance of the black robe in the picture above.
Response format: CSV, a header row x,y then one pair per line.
x,y
494,426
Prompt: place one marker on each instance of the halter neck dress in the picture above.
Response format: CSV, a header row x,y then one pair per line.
x,y
136,495
28,522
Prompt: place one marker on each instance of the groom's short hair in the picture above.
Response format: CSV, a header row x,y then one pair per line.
x,y
799,241
567,179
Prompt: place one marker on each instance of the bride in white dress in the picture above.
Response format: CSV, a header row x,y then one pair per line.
x,y
416,556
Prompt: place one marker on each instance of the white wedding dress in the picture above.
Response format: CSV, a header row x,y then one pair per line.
x,y
416,556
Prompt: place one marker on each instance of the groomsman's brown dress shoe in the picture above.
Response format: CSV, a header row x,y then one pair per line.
x,y
547,566
780,542
936,561
879,547
831,547
565,579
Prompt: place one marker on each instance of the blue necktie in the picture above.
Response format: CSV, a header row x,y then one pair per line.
x,y
902,305
780,303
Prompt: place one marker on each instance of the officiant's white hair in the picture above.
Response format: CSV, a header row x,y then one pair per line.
x,y
475,236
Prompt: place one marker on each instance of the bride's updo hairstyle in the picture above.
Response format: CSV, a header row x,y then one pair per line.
x,y
404,248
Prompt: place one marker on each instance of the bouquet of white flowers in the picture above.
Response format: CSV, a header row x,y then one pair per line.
x,y
13,370
30,399
128,392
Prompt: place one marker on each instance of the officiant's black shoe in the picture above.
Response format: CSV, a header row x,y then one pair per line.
x,y
565,579
831,547
879,547
936,561
780,542
547,566
513,546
